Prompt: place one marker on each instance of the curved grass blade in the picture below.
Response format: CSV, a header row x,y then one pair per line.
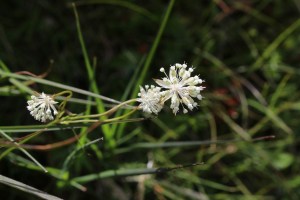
x,y
122,3
58,85
26,188
24,151
274,45
148,145
150,57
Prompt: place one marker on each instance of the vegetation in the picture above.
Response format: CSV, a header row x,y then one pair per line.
x,y
242,141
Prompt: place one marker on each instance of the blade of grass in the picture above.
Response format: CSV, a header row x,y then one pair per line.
x,y
125,4
73,153
22,162
113,173
219,64
272,115
21,86
125,95
150,57
84,131
58,85
155,145
279,90
274,45
33,128
129,172
3,66
26,188
91,76
234,126
187,193
153,48
23,150
254,12
262,123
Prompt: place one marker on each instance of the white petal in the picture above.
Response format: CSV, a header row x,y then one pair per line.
x,y
162,83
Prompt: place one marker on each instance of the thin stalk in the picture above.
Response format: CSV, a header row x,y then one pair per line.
x,y
24,151
104,113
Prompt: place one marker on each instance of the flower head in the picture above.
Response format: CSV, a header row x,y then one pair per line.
x,y
150,99
180,87
41,107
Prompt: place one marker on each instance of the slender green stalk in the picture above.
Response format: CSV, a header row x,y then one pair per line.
x,y
113,173
122,3
24,151
26,188
149,145
104,113
150,57
57,85
91,75
3,154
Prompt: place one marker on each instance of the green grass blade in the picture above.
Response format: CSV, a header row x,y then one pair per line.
x,y
272,115
180,144
34,128
122,3
23,150
226,70
274,45
73,153
26,188
58,85
21,86
150,57
234,126
113,173
3,66
280,88
153,48
118,128
91,75
23,162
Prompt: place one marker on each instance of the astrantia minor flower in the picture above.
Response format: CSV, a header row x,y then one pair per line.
x,y
150,99
41,107
180,87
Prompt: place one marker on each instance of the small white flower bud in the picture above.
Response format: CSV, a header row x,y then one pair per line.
x,y
41,107
178,65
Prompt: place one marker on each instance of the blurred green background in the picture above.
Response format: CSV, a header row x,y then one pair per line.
x,y
248,53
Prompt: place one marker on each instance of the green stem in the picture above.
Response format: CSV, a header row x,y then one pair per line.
x,y
105,113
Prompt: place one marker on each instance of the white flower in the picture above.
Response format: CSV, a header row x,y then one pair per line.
x,y
180,87
150,99
41,107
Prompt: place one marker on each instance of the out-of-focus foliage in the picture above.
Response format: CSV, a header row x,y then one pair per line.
x,y
247,52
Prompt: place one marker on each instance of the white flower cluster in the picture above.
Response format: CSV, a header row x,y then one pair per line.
x,y
150,99
179,86
41,107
